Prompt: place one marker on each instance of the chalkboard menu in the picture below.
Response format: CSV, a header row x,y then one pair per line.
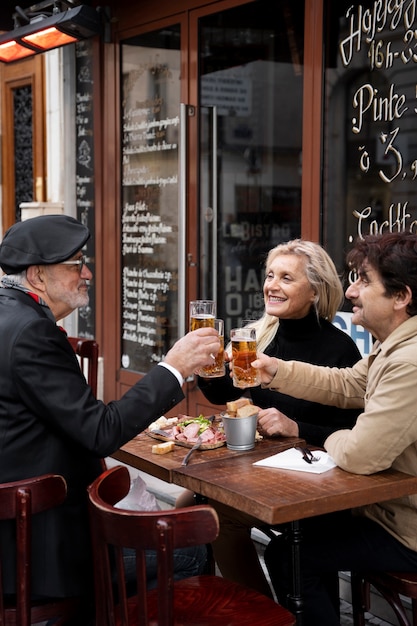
x,y
85,172
150,129
370,127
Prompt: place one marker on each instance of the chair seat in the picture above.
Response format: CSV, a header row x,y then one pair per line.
x,y
212,600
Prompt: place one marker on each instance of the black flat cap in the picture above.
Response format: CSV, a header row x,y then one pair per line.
x,y
42,240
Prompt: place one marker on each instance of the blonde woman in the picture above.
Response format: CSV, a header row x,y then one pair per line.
x,y
302,292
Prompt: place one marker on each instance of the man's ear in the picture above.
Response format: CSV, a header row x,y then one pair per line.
x,y
34,276
403,298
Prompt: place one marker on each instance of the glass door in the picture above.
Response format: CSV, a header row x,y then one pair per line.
x,y
250,91
152,241
211,141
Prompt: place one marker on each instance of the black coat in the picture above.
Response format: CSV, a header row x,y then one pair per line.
x,y
311,341
51,422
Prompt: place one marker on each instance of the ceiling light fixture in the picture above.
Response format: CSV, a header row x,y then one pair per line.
x,y
45,31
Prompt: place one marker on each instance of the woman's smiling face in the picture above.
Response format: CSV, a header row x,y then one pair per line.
x,y
287,292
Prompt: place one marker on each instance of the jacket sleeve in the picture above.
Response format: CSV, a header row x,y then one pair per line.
x,y
53,390
322,418
386,432
325,420
342,387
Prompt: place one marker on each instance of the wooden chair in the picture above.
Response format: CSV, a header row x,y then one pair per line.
x,y
390,585
87,351
20,501
207,599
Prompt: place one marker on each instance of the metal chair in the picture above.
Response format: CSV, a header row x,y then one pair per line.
x,y
20,501
87,351
390,585
207,599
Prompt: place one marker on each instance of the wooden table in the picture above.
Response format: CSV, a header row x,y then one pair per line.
x,y
278,496
273,496
138,453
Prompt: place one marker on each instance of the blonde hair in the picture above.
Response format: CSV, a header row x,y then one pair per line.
x,y
322,275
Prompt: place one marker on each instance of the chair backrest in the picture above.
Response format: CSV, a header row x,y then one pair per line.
x,y
19,501
87,351
162,531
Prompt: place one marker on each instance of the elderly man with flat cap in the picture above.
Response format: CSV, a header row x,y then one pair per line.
x,y
50,420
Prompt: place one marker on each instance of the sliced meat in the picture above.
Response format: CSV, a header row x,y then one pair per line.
x,y
190,431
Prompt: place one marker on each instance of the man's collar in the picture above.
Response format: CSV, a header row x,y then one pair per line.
x,y
7,283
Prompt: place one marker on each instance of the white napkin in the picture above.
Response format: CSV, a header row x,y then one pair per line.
x,y
293,459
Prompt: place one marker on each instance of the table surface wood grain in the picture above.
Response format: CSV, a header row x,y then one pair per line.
x,y
274,496
138,453
278,496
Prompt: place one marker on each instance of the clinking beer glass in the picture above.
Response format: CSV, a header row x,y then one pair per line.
x,y
217,369
202,314
243,354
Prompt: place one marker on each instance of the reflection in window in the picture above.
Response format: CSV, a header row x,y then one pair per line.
x,y
251,92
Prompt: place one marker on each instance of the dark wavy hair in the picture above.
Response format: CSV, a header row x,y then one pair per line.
x,y
394,257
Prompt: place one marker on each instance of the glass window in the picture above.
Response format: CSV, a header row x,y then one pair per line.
x,y
251,94
370,130
150,123
84,170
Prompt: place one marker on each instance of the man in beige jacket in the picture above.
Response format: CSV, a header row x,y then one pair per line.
x,y
382,536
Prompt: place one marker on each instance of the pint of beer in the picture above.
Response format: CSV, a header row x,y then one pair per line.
x,y
243,353
202,313
216,369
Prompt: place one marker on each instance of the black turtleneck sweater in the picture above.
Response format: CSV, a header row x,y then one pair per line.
x,y
311,341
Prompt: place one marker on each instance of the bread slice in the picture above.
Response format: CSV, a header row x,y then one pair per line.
x,y
163,448
248,409
234,405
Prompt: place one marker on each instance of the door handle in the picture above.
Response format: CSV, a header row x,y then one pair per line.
x,y
182,219
214,207
209,213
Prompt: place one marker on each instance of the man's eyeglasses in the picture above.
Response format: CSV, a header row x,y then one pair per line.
x,y
80,262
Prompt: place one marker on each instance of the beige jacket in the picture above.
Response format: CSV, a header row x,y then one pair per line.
x,y
385,435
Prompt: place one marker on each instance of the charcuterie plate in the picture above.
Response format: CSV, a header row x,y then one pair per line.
x,y
186,444
185,431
